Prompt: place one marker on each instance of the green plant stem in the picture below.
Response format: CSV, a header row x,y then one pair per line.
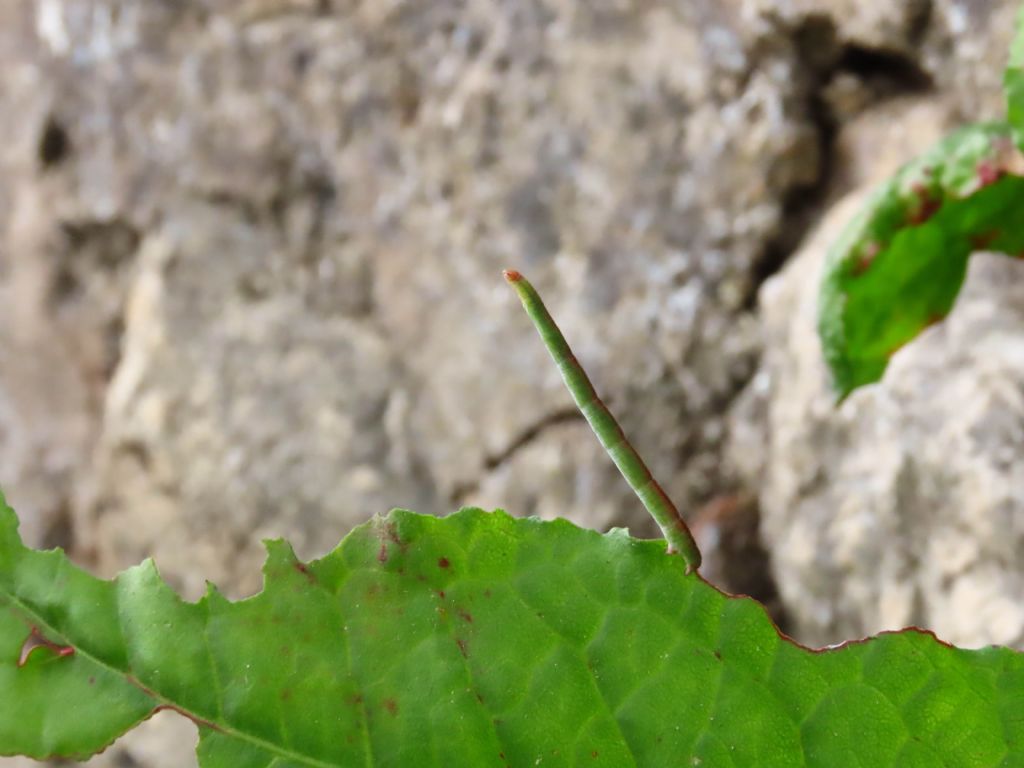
x,y
607,429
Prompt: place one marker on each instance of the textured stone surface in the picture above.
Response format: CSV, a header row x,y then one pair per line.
x,y
250,254
313,208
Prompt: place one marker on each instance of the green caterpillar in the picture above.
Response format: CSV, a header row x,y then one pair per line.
x,y
607,429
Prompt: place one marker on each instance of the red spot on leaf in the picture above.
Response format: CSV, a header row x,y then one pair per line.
x,y
391,706
36,640
988,172
928,204
466,616
593,753
983,240
866,257
718,655
443,563
392,533
463,649
387,532
440,593
304,570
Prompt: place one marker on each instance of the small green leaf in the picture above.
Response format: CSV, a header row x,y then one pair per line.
x,y
900,263
1013,81
479,640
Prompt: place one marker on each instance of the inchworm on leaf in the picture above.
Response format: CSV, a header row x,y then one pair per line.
x,y
607,429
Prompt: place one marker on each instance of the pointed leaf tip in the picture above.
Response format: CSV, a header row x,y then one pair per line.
x,y
512,275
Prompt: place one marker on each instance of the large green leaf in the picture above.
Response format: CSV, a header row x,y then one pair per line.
x,y
479,640
900,264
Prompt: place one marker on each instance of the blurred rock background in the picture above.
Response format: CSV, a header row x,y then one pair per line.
x,y
250,257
